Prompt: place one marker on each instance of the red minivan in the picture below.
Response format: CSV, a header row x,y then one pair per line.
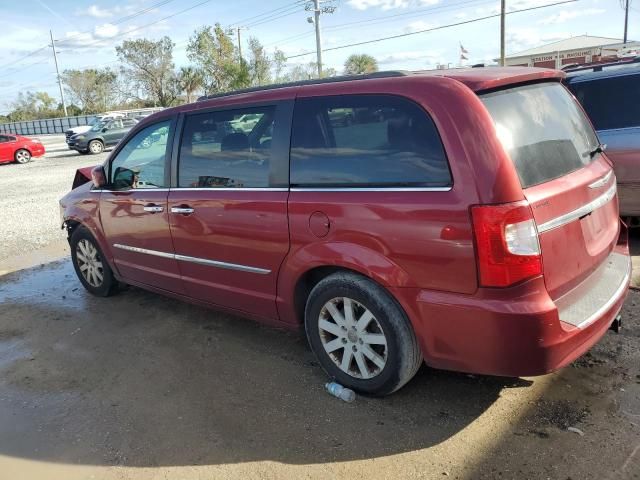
x,y
465,218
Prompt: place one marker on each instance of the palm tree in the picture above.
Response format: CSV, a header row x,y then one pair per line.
x,y
191,79
357,64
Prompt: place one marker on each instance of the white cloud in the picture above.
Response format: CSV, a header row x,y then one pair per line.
x,y
565,15
425,57
389,4
97,12
106,30
519,39
417,26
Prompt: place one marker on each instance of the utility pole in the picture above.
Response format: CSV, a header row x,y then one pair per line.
x,y
626,20
317,11
502,18
55,59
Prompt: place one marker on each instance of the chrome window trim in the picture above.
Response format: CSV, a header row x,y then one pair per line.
x,y
230,189
609,303
372,189
579,212
200,261
132,190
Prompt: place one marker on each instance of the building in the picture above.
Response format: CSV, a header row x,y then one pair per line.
x,y
575,50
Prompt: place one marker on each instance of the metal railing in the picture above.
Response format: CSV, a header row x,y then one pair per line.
x,y
62,124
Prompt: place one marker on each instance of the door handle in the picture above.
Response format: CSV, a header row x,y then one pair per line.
x,y
153,208
182,210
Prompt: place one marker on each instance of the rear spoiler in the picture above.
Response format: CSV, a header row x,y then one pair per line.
x,y
83,175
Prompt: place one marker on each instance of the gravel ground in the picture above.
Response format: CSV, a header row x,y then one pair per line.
x,y
29,213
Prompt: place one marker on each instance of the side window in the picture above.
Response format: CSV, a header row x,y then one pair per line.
x,y
602,99
365,141
141,162
3,139
226,149
128,122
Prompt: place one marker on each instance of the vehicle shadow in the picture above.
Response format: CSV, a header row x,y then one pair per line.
x,y
142,380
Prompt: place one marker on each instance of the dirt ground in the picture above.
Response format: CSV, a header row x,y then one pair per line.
x,y
139,386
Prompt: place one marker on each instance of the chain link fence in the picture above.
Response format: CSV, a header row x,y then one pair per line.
x,y
60,125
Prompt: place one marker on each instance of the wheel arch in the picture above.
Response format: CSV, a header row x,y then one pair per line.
x,y
303,270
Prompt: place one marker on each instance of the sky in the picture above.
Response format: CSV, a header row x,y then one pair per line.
x,y
87,31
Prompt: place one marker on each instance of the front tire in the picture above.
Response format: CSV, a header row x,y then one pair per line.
x,y
361,336
90,264
95,147
22,156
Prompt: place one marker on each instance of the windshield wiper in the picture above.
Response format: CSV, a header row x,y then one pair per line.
x,y
600,148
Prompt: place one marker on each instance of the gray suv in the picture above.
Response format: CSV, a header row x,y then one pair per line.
x,y
102,135
610,94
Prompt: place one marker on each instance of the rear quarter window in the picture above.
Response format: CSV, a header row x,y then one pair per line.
x,y
365,141
604,99
543,129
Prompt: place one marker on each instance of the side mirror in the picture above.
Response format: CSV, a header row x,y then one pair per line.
x,y
104,129
123,178
98,176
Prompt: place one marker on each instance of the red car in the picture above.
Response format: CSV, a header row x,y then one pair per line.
x,y
465,218
16,148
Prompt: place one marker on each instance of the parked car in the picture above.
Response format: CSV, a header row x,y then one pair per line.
x,y
85,128
16,148
102,135
611,97
474,225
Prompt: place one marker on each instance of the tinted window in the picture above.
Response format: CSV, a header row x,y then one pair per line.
x,y
610,102
3,139
226,149
142,158
543,129
365,141
129,122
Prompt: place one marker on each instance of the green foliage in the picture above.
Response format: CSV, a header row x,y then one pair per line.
x,y
33,106
361,63
213,52
149,65
259,63
93,89
191,79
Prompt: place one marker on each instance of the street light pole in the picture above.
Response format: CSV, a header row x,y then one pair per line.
x,y
316,11
55,59
502,18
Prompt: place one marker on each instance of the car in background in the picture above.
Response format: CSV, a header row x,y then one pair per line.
x,y
16,148
610,94
85,128
102,135
245,123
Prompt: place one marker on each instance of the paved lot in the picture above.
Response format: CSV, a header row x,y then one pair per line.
x,y
142,387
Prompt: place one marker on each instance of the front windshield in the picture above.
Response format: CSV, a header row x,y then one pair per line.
x,y
99,126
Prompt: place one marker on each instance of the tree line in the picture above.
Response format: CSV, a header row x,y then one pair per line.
x,y
148,77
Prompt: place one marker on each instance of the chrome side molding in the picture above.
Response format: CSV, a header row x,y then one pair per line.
x,y
199,261
602,181
579,212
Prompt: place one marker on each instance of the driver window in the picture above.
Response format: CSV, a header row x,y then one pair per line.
x,y
141,162
115,124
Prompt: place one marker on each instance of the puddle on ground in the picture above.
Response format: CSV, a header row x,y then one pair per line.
x,y
54,284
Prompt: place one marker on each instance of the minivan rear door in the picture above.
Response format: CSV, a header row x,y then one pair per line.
x,y
565,177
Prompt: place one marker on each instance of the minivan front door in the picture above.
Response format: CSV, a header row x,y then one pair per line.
x,y
133,211
228,214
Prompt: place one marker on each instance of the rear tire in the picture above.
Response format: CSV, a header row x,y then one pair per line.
x,y
95,147
22,156
360,335
90,264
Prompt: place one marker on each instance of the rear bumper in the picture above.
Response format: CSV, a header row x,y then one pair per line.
x,y
517,331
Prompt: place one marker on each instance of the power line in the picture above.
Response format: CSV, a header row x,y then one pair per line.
x,y
25,56
295,9
375,40
268,12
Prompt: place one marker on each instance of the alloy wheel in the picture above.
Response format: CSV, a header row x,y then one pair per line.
x,y
22,156
353,338
89,263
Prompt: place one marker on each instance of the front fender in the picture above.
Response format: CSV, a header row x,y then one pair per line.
x,y
358,258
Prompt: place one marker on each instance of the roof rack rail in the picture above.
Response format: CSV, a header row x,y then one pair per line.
x,y
315,81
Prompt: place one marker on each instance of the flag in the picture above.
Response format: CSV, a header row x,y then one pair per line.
x,y
462,50
462,57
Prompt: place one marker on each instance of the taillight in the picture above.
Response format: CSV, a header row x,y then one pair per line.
x,y
507,244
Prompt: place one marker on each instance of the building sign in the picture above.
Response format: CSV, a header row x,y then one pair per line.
x,y
579,53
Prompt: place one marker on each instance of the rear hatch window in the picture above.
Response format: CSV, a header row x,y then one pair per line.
x,y
543,129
